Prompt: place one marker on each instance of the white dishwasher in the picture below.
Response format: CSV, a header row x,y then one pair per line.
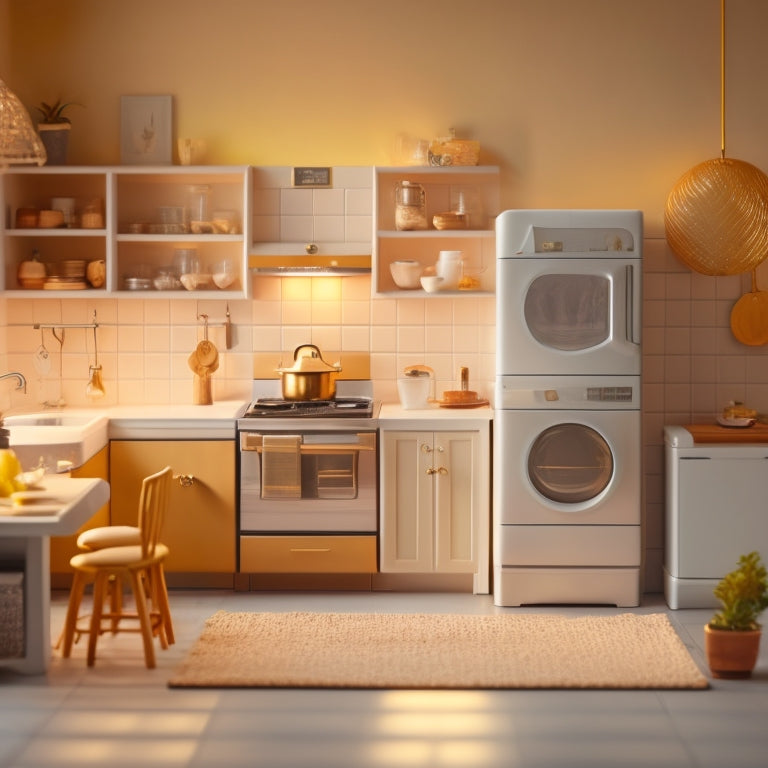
x,y
716,508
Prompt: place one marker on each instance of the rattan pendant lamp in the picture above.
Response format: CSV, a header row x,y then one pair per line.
x,y
19,142
716,217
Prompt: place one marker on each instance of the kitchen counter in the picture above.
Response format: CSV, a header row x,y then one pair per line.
x,y
173,422
434,417
24,540
218,421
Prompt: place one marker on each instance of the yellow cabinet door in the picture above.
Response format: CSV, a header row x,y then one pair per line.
x,y
200,527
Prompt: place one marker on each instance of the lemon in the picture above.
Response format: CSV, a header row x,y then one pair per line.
x,y
10,466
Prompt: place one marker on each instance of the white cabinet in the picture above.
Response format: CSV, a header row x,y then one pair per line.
x,y
434,503
142,220
715,512
477,187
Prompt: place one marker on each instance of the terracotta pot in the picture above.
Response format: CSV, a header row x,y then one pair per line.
x,y
730,654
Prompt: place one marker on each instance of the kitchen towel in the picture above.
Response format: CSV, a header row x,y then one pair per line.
x,y
357,650
281,467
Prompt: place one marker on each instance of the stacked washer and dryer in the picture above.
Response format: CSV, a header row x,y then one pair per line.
x,y
567,422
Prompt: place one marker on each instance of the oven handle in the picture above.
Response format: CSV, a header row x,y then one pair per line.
x,y
252,441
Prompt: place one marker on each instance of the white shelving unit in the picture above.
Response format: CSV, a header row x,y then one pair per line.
x,y
479,187
131,197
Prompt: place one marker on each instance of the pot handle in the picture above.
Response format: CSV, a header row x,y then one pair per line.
x,y
315,351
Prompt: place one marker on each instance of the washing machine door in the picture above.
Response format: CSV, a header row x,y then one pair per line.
x,y
567,467
570,463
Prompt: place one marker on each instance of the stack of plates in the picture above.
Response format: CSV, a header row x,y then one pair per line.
x,y
67,275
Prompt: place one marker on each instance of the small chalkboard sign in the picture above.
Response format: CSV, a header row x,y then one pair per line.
x,y
311,177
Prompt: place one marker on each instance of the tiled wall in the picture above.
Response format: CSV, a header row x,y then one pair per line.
x,y
143,345
341,214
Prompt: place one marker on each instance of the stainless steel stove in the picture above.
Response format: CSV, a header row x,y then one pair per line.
x,y
309,466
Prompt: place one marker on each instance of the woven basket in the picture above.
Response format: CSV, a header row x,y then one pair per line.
x,y
716,217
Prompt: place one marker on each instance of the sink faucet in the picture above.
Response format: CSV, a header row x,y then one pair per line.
x,y
19,376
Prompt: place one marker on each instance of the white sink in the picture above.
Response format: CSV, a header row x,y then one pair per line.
x,y
63,439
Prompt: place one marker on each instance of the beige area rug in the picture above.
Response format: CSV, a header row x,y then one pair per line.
x,y
354,650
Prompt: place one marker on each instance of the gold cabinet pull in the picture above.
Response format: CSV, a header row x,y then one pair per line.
x,y
310,549
185,481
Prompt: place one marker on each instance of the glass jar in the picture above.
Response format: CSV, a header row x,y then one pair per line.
x,y
198,203
410,206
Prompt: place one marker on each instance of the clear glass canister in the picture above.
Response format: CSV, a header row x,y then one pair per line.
x,y
198,203
410,206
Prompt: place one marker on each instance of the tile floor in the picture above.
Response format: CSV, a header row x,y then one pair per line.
x,y
121,714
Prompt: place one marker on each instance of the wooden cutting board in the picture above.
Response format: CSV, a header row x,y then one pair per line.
x,y
714,433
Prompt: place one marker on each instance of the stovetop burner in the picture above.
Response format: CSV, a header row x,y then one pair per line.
x,y
340,407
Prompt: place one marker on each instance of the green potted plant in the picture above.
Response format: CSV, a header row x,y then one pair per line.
x,y
732,637
54,127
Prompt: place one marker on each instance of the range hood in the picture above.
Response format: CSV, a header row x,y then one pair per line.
x,y
333,259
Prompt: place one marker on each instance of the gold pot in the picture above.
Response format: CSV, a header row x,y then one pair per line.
x,y
310,377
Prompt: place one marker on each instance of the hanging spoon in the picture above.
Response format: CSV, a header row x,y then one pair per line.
x,y
95,386
42,357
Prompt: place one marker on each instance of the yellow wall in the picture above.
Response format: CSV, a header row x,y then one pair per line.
x,y
581,102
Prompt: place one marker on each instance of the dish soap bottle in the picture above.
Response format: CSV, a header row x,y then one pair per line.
x,y
10,466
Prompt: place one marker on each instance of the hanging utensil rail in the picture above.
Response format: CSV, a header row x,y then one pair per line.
x,y
55,326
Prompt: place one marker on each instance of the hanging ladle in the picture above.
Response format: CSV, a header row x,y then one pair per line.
x,y
95,386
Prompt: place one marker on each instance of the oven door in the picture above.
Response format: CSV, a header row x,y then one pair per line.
x,y
308,481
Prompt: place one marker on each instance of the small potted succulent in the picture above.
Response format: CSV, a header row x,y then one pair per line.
x,y
53,128
732,637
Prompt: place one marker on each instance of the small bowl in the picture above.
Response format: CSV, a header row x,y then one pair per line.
x,y
194,281
431,283
406,273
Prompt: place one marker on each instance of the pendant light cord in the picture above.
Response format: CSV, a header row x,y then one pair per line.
x,y
722,79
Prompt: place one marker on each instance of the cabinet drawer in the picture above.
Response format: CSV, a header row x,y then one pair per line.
x,y
308,554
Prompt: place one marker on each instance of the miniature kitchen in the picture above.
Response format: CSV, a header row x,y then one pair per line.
x,y
402,293
166,284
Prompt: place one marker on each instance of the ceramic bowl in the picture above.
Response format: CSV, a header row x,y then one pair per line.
x,y
406,273
431,283
193,282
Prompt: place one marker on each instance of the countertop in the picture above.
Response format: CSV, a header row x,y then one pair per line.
x,y
394,416
690,434
138,422
218,420
65,503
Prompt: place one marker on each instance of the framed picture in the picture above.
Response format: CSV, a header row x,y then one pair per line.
x,y
145,130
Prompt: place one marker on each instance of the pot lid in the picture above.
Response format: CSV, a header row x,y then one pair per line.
x,y
307,359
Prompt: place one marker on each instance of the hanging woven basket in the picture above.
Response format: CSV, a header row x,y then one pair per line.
x,y
716,217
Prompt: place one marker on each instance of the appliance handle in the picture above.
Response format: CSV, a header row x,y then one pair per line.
x,y
633,304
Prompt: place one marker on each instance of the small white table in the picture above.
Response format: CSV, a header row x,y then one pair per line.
x,y
25,537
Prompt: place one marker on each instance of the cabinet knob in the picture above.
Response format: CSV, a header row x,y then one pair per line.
x,y
437,471
425,448
185,481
